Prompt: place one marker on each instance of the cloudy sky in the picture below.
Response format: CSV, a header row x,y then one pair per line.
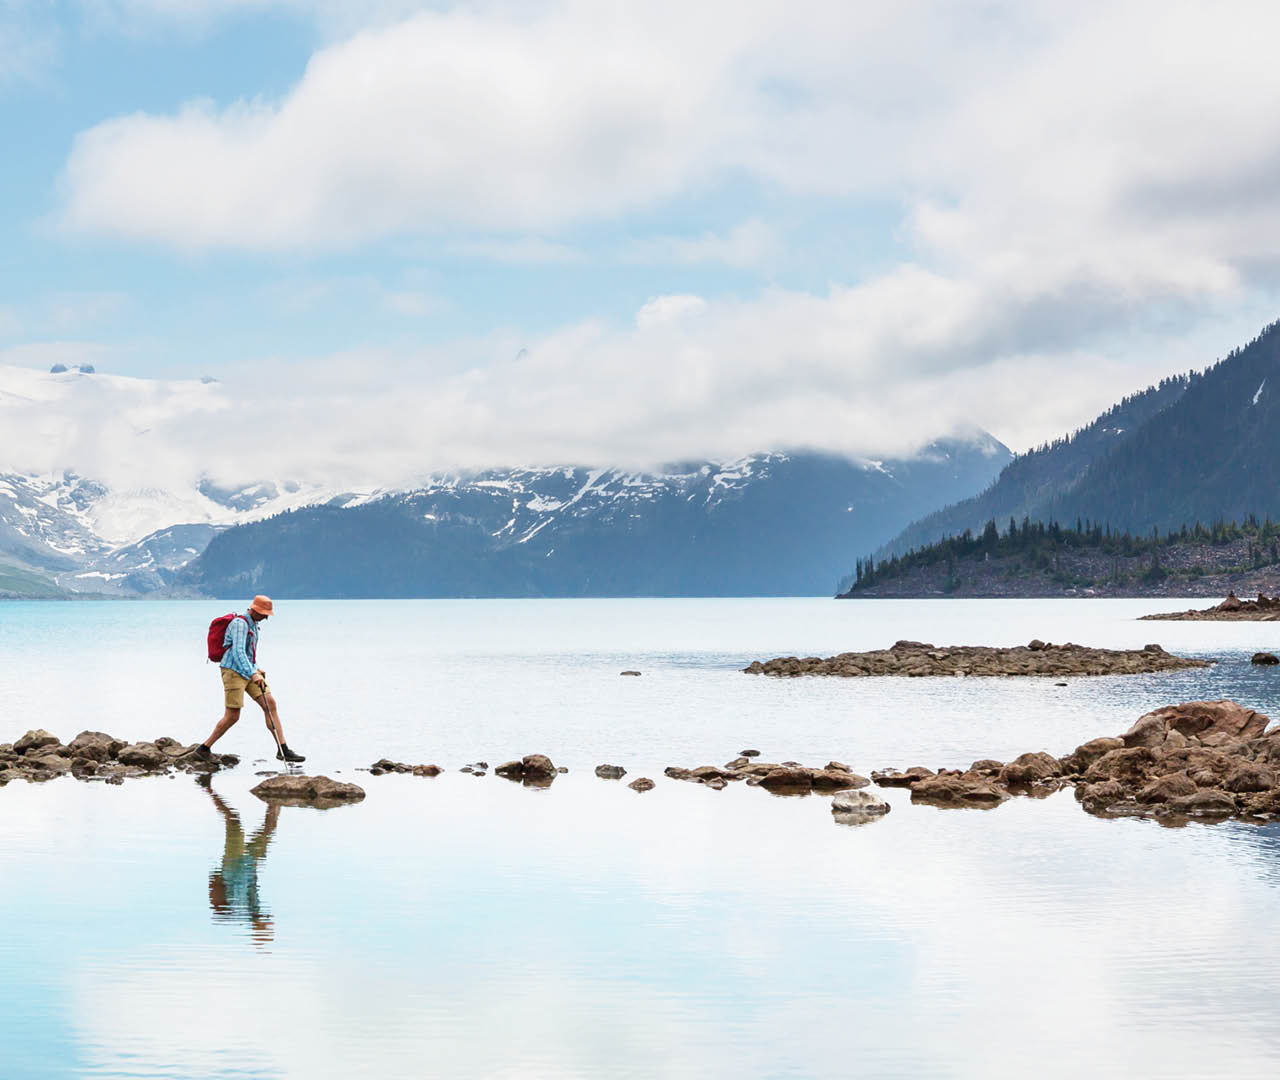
x,y
481,232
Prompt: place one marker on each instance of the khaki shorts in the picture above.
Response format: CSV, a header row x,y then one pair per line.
x,y
234,687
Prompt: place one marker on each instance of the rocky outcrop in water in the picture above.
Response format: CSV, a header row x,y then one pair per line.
x,y
386,765
317,791
94,755
535,770
915,659
1232,609
610,772
785,778
1209,760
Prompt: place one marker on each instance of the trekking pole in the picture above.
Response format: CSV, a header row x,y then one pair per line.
x,y
271,723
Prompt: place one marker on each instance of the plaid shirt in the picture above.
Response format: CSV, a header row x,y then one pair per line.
x,y
241,641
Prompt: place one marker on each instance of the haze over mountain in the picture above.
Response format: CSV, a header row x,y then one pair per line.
x,y
1201,447
114,484
766,524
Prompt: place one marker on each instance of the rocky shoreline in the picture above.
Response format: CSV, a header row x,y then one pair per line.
x,y
1199,760
916,659
1232,609
1206,760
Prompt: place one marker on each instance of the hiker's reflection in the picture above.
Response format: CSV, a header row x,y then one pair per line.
x,y
233,886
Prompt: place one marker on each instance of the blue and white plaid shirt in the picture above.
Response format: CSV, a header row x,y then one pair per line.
x,y
241,642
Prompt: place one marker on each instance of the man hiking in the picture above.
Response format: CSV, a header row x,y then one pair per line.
x,y
240,672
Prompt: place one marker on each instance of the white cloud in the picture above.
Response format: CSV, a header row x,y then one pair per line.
x,y
1068,176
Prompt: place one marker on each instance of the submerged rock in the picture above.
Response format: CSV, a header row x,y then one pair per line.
x,y
916,659
861,804
318,791
610,772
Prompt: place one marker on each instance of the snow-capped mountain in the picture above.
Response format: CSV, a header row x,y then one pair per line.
x,y
766,524
115,485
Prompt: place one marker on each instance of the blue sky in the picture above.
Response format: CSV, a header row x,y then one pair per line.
x,y
700,229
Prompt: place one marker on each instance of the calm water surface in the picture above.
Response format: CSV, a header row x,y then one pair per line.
x,y
462,927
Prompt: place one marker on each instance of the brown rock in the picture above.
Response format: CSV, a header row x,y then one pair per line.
x,y
538,766
830,779
1224,721
963,790
1128,765
426,770
893,778
610,772
95,745
512,770
1265,659
737,763
1086,754
144,755
36,739
1250,777
307,790
1164,788
986,767
788,779
1031,768
1212,802
641,783
1101,796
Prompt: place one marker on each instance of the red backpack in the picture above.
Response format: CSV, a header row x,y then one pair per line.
x,y
218,634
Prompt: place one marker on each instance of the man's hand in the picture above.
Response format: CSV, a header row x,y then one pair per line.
x,y
258,678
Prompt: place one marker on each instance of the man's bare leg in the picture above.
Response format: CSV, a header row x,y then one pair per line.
x,y
271,714
223,726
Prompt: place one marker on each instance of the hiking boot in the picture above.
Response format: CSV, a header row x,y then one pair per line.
x,y
285,754
201,753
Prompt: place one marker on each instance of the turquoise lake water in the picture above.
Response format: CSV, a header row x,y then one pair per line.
x,y
464,927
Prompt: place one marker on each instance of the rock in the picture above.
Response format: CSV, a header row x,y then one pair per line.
x,y
641,783
1087,753
737,763
51,763
512,770
836,780
1212,802
307,790
1210,721
716,783
838,766
677,773
788,779
1030,769
748,753
1164,788
538,767
893,778
610,772
1251,778
1265,659
1127,765
917,659
36,739
1097,798
630,673
426,770
96,745
144,755
962,790
987,767
859,802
